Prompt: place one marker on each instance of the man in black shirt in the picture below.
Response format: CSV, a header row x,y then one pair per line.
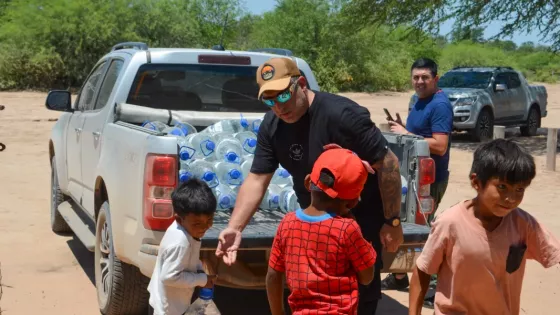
x,y
293,134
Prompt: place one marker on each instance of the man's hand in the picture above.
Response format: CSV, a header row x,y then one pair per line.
x,y
211,281
228,244
391,237
397,128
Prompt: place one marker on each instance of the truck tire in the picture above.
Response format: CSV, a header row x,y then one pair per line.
x,y
121,288
533,123
58,224
484,129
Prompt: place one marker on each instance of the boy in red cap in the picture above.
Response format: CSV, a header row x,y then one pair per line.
x,y
321,249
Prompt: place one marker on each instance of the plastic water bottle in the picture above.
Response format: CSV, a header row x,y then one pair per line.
x,y
404,190
242,124
203,144
204,304
173,132
225,197
271,199
203,170
248,142
227,125
288,199
229,150
187,128
281,177
154,125
185,174
246,166
229,173
255,125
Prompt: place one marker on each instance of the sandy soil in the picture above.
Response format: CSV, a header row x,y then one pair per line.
x,y
48,274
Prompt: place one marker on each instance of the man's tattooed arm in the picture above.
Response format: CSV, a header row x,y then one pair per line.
x,y
389,176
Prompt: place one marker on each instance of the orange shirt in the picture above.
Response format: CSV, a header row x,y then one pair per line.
x,y
475,275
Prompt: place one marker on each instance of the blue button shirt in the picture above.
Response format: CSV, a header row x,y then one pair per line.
x,y
430,116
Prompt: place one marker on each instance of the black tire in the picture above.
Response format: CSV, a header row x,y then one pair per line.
x,y
121,288
484,129
533,123
58,225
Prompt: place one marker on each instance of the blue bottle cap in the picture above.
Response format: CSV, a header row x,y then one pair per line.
x,y
183,177
177,132
206,294
404,190
210,145
284,173
184,155
208,176
234,174
275,199
231,156
252,142
225,200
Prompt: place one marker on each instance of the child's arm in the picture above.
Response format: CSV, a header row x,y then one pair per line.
x,y
360,252
173,272
275,274
542,246
275,291
419,285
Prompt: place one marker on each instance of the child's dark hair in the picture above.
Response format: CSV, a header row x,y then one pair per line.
x,y
319,197
503,159
193,196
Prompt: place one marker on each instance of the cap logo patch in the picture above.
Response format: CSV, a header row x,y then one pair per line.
x,y
267,72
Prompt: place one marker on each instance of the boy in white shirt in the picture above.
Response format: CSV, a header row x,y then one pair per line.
x,y
178,267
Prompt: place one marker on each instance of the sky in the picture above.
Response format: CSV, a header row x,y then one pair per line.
x,y
260,6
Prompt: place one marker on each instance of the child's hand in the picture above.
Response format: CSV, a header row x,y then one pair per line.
x,y
211,280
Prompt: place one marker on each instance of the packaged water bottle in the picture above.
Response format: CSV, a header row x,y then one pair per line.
x,y
248,142
229,150
281,177
404,190
225,196
246,166
203,144
229,173
187,128
185,174
203,170
204,304
154,125
271,199
255,125
173,132
288,199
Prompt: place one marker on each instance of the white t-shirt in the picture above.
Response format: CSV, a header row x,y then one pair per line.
x,y
175,274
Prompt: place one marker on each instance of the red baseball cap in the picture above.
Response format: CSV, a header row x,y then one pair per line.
x,y
348,170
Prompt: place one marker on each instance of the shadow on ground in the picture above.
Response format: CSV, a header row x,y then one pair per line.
x,y
83,256
536,145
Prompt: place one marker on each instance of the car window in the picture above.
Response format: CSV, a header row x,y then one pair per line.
x,y
109,83
85,99
502,78
514,81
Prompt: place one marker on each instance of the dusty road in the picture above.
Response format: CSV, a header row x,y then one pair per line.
x,y
48,274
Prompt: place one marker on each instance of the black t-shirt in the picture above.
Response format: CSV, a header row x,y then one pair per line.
x,y
330,119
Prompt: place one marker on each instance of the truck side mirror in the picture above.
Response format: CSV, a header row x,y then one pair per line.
x,y
500,87
59,100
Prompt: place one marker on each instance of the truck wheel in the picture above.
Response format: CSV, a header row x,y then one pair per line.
x,y
58,224
484,129
121,288
533,123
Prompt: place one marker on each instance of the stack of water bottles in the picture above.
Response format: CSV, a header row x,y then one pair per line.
x,y
222,155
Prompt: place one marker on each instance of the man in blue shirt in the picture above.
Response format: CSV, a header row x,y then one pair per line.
x,y
431,117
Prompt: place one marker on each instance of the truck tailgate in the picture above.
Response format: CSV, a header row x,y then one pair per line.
x,y
261,230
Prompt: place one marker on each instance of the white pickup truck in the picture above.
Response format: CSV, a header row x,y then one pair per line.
x,y
111,178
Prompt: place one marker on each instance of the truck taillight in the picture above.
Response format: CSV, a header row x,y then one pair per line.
x,y
426,176
160,179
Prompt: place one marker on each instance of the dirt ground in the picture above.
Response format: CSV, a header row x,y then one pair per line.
x,y
48,274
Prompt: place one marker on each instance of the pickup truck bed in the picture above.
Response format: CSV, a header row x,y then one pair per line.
x,y
260,231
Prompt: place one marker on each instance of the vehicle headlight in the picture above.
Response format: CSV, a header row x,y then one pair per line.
x,y
466,101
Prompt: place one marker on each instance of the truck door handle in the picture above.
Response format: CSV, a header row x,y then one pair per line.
x,y
96,134
78,130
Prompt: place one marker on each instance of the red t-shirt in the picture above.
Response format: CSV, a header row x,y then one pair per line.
x,y
321,256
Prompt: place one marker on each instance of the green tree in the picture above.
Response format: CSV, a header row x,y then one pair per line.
x,y
473,34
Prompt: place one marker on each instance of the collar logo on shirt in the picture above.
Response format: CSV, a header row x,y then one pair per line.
x,y
296,152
